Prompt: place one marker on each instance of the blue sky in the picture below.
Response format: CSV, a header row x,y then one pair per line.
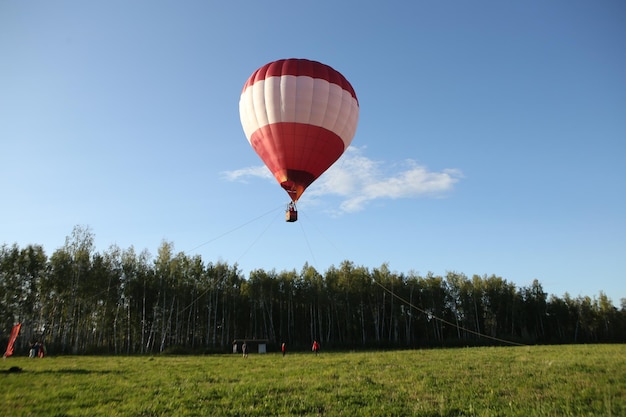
x,y
491,139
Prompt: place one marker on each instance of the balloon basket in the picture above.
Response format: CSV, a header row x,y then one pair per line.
x,y
291,215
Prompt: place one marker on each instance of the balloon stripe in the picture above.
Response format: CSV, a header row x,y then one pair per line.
x,y
321,147
299,100
302,68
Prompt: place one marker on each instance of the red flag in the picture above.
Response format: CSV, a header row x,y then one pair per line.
x,y
14,333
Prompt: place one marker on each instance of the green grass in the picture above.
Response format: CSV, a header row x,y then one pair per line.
x,y
581,380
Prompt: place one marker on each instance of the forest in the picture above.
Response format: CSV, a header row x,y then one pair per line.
x,y
80,301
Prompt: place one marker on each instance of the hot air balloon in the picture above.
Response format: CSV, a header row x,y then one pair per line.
x,y
299,116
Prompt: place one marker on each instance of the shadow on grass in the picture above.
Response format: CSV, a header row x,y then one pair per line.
x,y
66,371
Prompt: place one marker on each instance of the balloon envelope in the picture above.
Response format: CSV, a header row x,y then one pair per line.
x,y
299,116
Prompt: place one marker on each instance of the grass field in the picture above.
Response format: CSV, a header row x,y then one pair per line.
x,y
580,380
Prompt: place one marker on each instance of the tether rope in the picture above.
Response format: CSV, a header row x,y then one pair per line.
x,y
234,229
408,303
497,339
411,305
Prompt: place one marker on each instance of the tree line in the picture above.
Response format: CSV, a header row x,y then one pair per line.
x,y
79,301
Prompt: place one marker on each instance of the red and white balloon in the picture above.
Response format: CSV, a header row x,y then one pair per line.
x,y
299,116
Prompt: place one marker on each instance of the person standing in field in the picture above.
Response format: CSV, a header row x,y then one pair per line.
x,y
244,348
316,347
283,348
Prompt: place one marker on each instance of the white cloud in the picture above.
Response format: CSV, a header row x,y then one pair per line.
x,y
242,174
359,180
